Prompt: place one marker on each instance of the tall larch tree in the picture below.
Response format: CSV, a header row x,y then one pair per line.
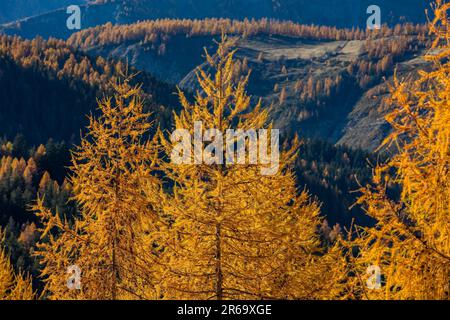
x,y
237,233
108,246
410,243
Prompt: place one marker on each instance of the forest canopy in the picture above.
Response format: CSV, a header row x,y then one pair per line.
x,y
111,216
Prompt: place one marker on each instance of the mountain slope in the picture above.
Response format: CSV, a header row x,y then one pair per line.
x,y
47,89
365,126
338,13
322,82
11,10
317,89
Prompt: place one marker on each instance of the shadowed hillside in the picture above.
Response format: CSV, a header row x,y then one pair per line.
x,y
11,10
337,13
325,83
47,89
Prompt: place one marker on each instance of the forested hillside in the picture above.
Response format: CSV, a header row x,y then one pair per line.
x,y
47,91
322,82
72,80
11,10
48,88
117,167
336,13
25,174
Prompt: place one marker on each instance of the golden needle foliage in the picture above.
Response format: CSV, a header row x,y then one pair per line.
x,y
227,231
110,241
238,234
411,240
13,286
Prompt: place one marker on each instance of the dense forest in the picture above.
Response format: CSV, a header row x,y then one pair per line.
x,y
48,88
31,169
11,10
155,31
88,185
300,96
337,13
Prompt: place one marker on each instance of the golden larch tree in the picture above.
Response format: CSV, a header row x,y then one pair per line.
x,y
237,233
109,244
410,243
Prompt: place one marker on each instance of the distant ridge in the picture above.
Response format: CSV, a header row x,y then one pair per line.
x,y
337,13
12,10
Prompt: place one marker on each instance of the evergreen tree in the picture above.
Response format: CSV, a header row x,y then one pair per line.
x,y
237,233
110,241
410,242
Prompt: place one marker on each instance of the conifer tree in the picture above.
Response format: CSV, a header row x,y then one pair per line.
x,y
236,233
13,286
410,243
110,241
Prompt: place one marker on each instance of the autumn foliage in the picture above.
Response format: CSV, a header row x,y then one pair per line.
x,y
410,241
148,228
13,285
238,234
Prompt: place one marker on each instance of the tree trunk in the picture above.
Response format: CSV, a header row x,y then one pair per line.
x,y
219,275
